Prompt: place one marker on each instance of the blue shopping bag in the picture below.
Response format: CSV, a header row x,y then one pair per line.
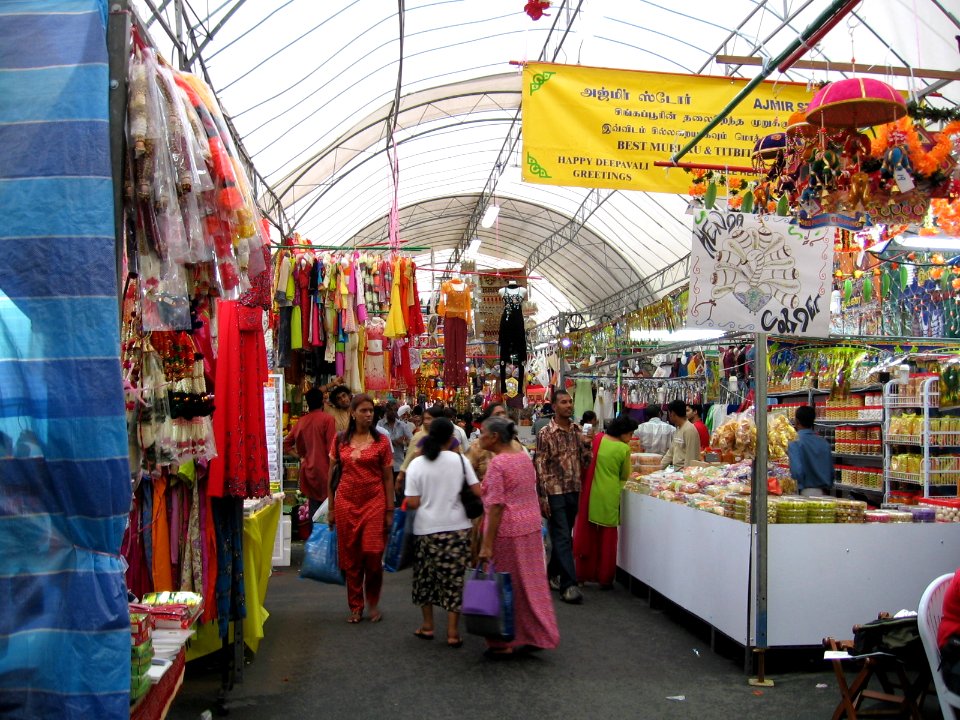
x,y
399,553
320,560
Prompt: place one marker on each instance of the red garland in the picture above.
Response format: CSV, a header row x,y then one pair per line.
x,y
535,8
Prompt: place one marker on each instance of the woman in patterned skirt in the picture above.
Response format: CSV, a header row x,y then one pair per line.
x,y
362,507
441,527
512,539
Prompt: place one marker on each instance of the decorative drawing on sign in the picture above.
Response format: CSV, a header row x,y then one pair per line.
x,y
753,273
536,168
540,79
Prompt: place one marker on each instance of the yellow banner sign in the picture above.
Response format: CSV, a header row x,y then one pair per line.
x,y
595,127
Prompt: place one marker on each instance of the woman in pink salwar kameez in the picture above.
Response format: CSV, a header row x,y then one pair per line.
x,y
512,539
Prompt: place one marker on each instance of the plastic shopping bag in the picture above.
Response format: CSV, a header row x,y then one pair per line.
x,y
320,516
320,557
400,541
493,627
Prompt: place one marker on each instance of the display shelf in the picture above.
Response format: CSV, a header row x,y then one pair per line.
x,y
936,478
905,439
858,456
853,423
933,470
793,393
906,401
858,488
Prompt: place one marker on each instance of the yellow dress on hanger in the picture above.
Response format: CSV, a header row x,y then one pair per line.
x,y
396,321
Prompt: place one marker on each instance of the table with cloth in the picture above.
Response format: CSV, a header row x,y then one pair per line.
x,y
259,533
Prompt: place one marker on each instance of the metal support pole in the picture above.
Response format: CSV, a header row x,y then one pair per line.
x,y
758,502
561,329
118,53
767,70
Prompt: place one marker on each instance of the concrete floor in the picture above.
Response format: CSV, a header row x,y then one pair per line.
x,y
619,657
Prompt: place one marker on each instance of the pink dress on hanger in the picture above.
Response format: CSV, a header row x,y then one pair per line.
x,y
375,369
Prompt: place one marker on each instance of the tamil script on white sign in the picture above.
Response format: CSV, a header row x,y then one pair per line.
x,y
759,274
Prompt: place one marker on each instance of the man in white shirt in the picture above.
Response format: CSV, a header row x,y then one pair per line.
x,y
655,435
399,433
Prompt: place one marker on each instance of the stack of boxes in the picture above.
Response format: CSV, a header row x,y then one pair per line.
x,y
141,654
281,544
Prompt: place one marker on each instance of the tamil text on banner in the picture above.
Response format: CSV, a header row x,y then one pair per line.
x,y
759,274
594,127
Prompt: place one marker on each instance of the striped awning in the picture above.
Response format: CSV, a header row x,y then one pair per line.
x,y
64,474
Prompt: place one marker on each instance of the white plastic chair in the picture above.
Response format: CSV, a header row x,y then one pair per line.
x,y
930,611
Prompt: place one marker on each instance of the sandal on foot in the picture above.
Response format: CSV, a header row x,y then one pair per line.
x,y
423,634
376,617
354,618
499,654
455,642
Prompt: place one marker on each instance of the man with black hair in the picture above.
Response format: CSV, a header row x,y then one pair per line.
x,y
811,460
339,406
562,456
685,447
311,439
695,416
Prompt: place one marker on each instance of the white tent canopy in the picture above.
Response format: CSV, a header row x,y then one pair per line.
x,y
310,88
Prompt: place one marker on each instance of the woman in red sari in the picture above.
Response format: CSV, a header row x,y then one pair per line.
x,y
362,507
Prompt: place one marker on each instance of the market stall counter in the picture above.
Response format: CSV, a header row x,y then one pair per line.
x,y
259,534
822,579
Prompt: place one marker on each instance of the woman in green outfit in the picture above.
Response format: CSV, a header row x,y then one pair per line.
x,y
595,532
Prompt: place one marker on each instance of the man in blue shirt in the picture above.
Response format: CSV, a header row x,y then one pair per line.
x,y
811,459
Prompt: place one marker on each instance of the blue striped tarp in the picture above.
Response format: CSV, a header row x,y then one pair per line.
x,y
64,474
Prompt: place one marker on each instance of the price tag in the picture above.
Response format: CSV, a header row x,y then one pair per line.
x,y
904,180
811,208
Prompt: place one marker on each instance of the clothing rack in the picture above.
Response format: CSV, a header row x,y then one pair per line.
x,y
348,248
677,347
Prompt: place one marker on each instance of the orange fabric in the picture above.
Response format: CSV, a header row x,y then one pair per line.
x,y
456,301
162,568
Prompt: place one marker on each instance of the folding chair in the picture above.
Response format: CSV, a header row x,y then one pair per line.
x,y
906,703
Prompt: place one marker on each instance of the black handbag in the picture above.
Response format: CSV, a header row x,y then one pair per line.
x,y
471,503
336,471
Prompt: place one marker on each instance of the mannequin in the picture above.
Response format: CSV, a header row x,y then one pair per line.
x,y
456,307
513,340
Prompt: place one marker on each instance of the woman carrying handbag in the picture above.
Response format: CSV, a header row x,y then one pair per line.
x,y
513,541
361,507
434,484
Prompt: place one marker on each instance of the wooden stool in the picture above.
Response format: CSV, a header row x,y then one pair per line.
x,y
892,676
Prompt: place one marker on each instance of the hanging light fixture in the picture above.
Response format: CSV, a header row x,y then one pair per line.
x,y
473,249
490,216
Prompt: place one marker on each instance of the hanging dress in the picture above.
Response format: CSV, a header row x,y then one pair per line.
x,y
396,322
375,370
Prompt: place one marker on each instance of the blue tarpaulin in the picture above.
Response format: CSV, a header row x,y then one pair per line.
x,y
64,474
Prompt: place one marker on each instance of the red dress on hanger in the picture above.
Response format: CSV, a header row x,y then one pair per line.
x,y
240,468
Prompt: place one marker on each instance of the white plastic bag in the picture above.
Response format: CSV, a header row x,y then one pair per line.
x,y
320,516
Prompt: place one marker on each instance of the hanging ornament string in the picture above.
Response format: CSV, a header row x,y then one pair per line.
x,y
394,222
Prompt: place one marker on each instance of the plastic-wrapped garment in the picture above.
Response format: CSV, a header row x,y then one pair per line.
x,y
64,474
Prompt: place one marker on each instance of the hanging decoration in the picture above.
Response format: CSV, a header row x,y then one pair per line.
x,y
536,9
855,103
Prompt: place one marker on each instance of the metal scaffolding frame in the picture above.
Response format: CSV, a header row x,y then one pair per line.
x,y
551,48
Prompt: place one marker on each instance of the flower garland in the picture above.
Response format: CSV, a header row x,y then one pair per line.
x,y
903,132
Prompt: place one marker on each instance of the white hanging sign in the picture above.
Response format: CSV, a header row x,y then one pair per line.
x,y
759,274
